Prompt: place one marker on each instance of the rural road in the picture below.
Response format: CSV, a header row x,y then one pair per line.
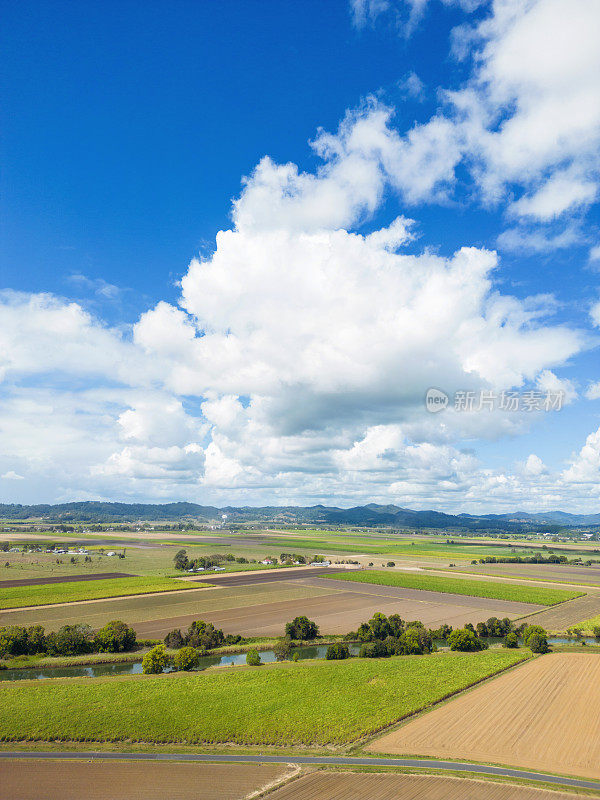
x,y
323,760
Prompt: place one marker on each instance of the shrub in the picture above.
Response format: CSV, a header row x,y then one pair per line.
x,y
180,560
337,651
391,564
302,628
296,657
155,661
537,643
13,641
510,640
204,634
233,638
71,640
253,658
174,640
596,631
115,637
532,630
376,649
282,651
185,659
465,641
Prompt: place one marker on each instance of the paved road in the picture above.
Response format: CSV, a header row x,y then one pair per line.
x,y
98,576
265,576
332,761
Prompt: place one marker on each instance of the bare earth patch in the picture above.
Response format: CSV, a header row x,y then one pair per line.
x,y
102,780
349,786
543,715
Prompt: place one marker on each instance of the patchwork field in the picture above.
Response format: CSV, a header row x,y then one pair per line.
x,y
565,573
93,576
569,614
262,609
501,591
311,703
167,608
119,780
356,786
73,591
545,715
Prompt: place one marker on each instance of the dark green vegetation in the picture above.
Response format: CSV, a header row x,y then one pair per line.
x,y
73,592
369,515
70,640
437,583
268,706
302,628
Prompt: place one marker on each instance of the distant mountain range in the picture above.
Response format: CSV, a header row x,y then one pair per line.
x,y
370,515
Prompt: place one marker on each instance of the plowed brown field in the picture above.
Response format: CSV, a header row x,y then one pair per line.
x,y
102,780
565,615
544,715
349,786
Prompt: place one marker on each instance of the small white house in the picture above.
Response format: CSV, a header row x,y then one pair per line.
x,y
267,561
111,553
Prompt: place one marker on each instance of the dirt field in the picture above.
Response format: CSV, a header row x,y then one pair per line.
x,y
98,576
262,609
549,572
269,576
543,715
356,786
119,780
565,615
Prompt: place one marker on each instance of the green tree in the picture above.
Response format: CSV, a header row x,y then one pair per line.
x,y
465,641
71,640
532,630
181,560
302,628
337,652
596,631
155,660
186,658
511,640
537,643
204,634
13,641
115,637
253,658
375,649
174,640
282,651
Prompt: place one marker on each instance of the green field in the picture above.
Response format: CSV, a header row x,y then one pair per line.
x,y
73,591
437,583
589,624
315,703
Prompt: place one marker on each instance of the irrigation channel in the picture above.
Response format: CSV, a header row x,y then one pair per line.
x,y
233,660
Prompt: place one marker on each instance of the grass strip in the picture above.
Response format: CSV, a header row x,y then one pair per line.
x,y
437,583
73,591
310,703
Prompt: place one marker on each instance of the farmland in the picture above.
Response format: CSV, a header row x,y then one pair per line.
x,y
542,716
569,614
437,583
73,591
315,703
331,786
263,609
124,781
559,573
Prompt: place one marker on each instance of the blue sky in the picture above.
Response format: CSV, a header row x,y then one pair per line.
x,y
364,161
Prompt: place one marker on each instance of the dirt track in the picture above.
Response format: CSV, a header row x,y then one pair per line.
x,y
97,780
97,576
543,715
349,786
